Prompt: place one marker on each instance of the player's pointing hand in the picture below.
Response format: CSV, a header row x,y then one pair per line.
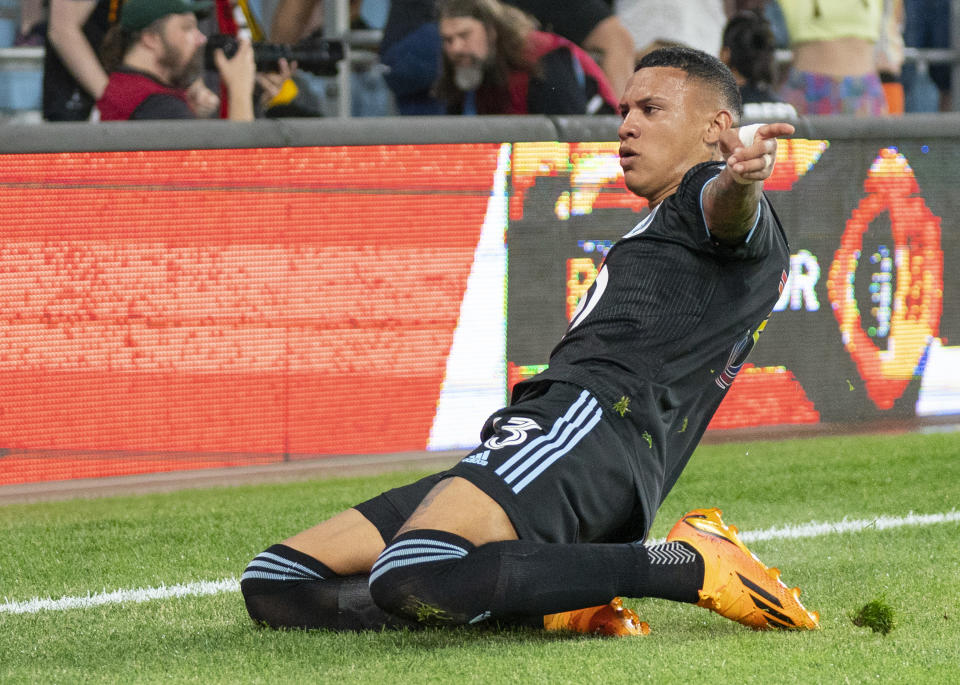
x,y
751,151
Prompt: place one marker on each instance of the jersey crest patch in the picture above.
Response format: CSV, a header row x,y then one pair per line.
x,y
513,432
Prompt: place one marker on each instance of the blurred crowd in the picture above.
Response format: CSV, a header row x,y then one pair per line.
x,y
157,59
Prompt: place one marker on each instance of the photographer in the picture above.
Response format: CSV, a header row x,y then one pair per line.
x,y
155,55
73,78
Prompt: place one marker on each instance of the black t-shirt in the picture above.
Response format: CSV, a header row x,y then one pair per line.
x,y
405,17
572,20
554,87
63,98
162,106
558,87
669,321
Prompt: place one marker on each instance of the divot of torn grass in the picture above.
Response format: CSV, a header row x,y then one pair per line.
x,y
876,615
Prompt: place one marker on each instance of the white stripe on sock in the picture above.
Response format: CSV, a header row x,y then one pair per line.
x,y
671,554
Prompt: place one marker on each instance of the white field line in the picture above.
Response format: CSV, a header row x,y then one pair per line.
x,y
208,587
816,529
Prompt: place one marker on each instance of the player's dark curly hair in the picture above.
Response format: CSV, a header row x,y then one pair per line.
x,y
752,47
701,66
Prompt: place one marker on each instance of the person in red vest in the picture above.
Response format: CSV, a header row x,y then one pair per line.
x,y
153,55
495,61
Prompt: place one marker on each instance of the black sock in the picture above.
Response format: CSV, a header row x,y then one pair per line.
x,y
421,575
438,577
545,578
285,588
674,571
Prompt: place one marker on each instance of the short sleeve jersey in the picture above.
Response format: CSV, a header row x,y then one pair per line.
x,y
666,326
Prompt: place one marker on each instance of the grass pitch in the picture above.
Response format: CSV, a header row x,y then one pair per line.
x,y
79,547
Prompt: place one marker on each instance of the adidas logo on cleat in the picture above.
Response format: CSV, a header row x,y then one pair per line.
x,y
763,601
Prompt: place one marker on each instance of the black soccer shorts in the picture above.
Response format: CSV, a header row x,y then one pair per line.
x,y
556,465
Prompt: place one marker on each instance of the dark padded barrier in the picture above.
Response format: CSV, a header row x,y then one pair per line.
x,y
573,129
204,135
269,133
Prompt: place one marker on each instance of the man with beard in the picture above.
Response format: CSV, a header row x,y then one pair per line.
x,y
155,53
496,62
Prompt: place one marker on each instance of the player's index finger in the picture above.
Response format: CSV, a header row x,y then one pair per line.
x,y
776,130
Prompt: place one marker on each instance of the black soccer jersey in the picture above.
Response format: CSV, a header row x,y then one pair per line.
x,y
666,326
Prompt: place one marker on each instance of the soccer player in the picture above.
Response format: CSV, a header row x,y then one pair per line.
x,y
539,524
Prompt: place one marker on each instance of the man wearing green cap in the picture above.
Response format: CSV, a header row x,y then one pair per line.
x,y
155,52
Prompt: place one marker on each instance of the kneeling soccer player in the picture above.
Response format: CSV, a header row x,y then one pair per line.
x,y
538,525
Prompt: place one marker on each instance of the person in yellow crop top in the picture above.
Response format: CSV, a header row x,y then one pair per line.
x,y
834,67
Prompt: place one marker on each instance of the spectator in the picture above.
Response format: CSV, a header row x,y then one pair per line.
x,y
769,10
73,78
155,53
889,55
33,25
411,45
593,26
834,62
411,51
294,20
496,62
695,23
749,50
927,25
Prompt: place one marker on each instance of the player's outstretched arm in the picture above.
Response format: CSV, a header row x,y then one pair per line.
x,y
731,201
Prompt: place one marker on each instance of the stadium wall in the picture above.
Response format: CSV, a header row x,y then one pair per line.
x,y
184,295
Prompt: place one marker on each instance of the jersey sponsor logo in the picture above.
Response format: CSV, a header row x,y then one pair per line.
x,y
480,458
513,432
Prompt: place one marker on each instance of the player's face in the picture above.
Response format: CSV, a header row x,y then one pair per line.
x,y
665,120
465,40
182,54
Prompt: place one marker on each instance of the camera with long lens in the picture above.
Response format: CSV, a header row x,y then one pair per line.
x,y
314,54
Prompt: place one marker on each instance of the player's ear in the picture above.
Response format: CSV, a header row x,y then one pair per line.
x,y
721,121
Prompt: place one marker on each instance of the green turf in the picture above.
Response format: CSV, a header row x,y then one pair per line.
x,y
76,547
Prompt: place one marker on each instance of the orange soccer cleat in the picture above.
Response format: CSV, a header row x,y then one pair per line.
x,y
735,583
609,619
